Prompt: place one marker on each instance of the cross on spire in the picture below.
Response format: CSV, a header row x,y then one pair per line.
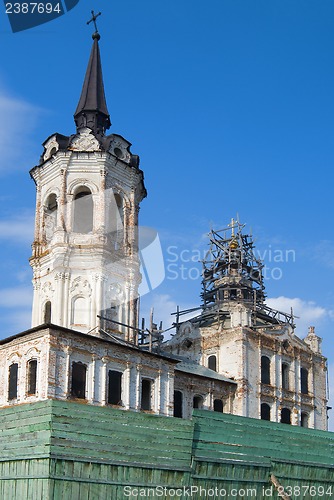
x,y
94,17
92,111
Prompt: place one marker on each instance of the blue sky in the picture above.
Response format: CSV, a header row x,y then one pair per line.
x,y
230,106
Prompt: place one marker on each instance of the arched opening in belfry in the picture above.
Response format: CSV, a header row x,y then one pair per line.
x,y
50,216
118,219
83,211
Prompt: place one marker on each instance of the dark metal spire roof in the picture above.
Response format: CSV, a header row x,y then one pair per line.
x,y
92,111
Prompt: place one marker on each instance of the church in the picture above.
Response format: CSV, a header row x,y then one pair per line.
x,y
237,356
85,351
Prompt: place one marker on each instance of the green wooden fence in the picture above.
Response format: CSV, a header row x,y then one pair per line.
x,y
72,451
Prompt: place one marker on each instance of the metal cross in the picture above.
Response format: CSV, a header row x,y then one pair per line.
x,y
95,16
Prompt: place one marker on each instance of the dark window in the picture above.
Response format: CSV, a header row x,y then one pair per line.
x,y
212,363
83,211
47,312
285,376
265,411
304,419
12,381
218,405
114,387
146,394
198,402
78,386
304,380
265,370
32,376
178,404
286,416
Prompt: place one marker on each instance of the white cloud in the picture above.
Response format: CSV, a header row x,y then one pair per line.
x,y
20,119
18,229
308,312
15,310
16,297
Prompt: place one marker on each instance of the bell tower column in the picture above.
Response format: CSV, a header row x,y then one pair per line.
x,y
85,253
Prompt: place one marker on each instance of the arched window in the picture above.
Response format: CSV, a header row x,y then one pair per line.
x,y
80,311
47,312
304,419
265,370
50,220
78,385
286,416
218,405
115,387
178,404
304,381
265,411
212,363
83,211
198,402
285,376
32,376
12,381
146,394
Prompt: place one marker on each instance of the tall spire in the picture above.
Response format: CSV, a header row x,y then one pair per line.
x,y
92,111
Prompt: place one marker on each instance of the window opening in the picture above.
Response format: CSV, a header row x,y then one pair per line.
x,y
212,363
198,402
146,394
265,411
78,386
47,312
304,380
285,376
115,387
178,403
32,376
218,405
12,381
265,370
286,416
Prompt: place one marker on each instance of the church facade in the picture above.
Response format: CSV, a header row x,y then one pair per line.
x,y
236,356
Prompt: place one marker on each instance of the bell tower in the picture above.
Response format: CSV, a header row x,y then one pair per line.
x,y
85,252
